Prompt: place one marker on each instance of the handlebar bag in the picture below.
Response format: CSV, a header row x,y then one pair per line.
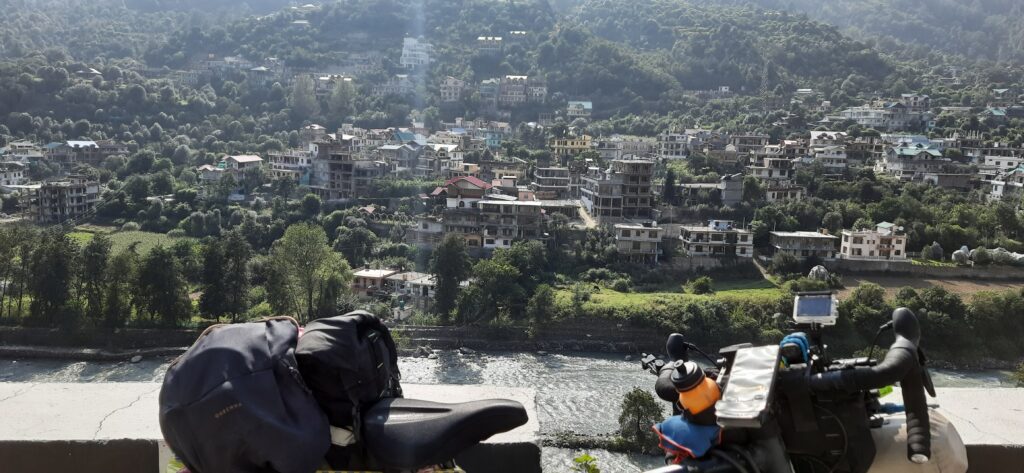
x,y
235,401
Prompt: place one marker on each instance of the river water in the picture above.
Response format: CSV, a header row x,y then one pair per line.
x,y
576,392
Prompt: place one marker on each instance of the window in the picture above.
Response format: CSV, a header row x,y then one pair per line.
x,y
462,204
897,252
625,233
743,251
636,245
489,241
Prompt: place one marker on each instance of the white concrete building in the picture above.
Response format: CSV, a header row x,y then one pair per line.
x,y
717,238
885,242
805,245
415,53
638,243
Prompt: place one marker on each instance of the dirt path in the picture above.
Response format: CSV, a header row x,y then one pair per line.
x,y
588,221
962,287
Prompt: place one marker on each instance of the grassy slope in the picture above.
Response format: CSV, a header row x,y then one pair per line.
x,y
746,290
122,240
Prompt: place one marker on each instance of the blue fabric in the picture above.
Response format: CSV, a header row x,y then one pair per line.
x,y
684,438
799,339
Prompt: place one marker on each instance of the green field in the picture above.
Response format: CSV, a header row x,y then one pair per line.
x,y
122,240
745,290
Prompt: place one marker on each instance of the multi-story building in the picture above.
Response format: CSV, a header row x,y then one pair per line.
x,y
887,116
578,109
885,242
623,191
906,161
772,169
503,221
240,163
400,84
805,245
1007,185
916,102
415,53
451,89
777,192
551,182
748,143
639,243
12,174
294,164
833,158
88,152
340,172
637,197
717,238
489,44
569,146
70,198
827,138
729,189
427,232
325,84
673,145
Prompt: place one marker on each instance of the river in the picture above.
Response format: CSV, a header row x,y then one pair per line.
x,y
577,392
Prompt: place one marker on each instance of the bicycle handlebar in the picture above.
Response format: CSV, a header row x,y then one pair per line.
x,y
901,364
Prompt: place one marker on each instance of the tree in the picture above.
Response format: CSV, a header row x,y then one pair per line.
x,y
303,99
236,275
355,243
161,290
341,100
752,189
307,275
669,192
450,266
311,205
95,260
118,298
213,301
53,268
493,293
541,305
639,412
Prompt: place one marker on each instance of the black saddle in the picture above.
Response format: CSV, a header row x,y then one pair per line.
x,y
409,433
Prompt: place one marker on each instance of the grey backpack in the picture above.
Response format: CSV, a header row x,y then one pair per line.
x,y
235,401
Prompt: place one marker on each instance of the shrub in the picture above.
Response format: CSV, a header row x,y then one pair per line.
x,y
701,285
982,256
784,263
176,233
639,412
130,227
622,285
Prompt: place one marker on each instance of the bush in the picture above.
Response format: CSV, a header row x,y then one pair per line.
x,y
982,256
176,233
622,285
784,263
130,227
701,285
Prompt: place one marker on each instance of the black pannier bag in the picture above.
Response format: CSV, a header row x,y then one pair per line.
x,y
349,362
236,402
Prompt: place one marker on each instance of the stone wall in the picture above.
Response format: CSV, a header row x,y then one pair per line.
x,y
907,268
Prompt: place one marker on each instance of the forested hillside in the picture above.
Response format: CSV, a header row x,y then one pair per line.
x,y
989,29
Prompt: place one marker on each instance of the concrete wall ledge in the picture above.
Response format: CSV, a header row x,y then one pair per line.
x,y
113,427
